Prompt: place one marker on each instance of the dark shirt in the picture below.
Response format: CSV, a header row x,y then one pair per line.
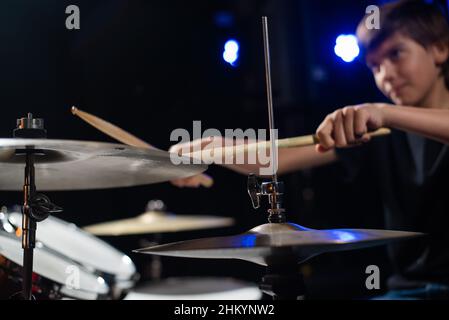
x,y
412,174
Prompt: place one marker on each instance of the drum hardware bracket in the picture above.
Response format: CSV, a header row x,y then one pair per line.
x,y
30,128
36,207
274,190
42,207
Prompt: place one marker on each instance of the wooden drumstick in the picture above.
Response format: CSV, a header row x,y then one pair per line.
x,y
305,141
218,153
126,137
111,130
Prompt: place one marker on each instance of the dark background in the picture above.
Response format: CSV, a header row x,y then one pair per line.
x,y
153,66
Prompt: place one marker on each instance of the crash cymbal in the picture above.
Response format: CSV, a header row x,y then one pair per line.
x,y
78,165
158,222
278,239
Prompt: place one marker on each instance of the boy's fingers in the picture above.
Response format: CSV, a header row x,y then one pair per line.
x,y
324,134
348,120
177,183
366,138
360,123
194,182
205,180
319,148
339,132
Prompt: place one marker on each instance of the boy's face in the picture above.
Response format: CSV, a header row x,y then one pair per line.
x,y
404,71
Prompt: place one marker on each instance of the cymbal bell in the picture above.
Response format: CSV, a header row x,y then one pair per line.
x,y
83,165
158,222
259,244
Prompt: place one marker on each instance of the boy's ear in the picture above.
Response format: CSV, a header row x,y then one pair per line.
x,y
440,52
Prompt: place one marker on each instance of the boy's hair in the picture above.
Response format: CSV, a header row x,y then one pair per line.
x,y
423,22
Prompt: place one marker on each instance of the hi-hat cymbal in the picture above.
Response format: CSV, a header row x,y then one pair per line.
x,y
78,165
282,239
158,222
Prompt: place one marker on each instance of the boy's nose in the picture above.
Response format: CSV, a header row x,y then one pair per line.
x,y
387,72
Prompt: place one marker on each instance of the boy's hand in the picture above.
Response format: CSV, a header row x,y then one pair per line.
x,y
350,126
194,182
200,179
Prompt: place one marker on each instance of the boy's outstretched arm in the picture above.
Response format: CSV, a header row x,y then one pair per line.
x,y
290,159
349,126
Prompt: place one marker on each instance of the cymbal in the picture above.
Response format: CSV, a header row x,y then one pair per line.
x,y
278,239
81,165
158,222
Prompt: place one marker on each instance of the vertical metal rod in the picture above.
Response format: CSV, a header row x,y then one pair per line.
x,y
273,153
28,228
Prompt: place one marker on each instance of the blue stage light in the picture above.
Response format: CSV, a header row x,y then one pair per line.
x,y
231,52
346,47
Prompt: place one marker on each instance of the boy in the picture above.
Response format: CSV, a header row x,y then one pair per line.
x,y
408,57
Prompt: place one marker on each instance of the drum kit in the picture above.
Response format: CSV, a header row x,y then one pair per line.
x,y
58,260
103,271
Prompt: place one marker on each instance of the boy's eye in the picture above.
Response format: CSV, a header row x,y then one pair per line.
x,y
374,67
395,54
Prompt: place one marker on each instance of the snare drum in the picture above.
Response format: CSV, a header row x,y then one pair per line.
x,y
54,276
97,256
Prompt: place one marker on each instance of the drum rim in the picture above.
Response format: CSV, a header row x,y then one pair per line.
x,y
60,286
116,277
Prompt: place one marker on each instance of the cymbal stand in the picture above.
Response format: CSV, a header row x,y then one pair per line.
x,y
283,279
155,268
36,207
